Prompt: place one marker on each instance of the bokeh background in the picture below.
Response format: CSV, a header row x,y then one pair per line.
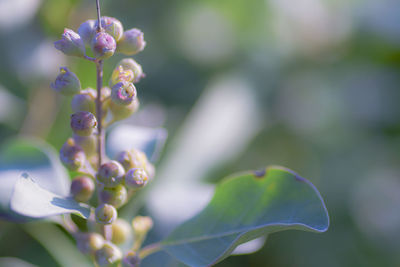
x,y
309,84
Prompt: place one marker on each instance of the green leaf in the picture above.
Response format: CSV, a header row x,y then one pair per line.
x,y
31,200
15,262
243,208
39,160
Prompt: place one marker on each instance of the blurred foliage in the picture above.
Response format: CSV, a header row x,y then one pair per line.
x,y
324,75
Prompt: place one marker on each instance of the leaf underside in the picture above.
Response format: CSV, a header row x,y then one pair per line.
x,y
245,207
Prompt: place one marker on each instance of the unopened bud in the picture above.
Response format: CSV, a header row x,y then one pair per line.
x,y
132,42
112,26
66,83
89,243
116,196
87,30
142,224
105,214
121,75
135,159
123,93
82,188
83,123
111,174
136,178
121,231
84,101
103,45
131,259
87,143
121,112
136,68
71,44
72,155
108,255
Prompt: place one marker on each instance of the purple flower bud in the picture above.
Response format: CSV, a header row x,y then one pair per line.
x,y
121,112
103,45
66,83
136,68
84,101
89,243
87,30
72,155
121,75
71,44
111,174
82,188
136,178
108,255
123,93
134,158
83,123
112,26
105,214
131,259
116,196
132,42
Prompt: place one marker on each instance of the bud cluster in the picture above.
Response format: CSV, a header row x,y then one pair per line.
x,y
113,181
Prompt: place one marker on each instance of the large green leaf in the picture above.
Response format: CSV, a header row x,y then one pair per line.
x,y
31,200
245,207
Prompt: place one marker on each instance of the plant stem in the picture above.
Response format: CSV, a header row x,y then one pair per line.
x,y
150,249
98,15
100,134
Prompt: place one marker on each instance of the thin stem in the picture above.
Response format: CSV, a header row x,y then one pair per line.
x,y
150,249
98,15
100,133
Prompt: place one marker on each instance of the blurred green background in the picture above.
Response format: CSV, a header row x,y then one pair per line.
x,y
309,84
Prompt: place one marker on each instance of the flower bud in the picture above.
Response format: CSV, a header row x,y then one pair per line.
x,y
87,143
131,259
83,123
121,231
142,224
103,45
116,196
89,243
105,214
132,42
122,112
123,93
66,83
136,178
72,155
121,75
136,68
134,158
84,101
82,188
111,174
71,44
108,255
87,30
112,26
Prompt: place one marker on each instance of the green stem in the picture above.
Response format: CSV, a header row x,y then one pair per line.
x,y
148,250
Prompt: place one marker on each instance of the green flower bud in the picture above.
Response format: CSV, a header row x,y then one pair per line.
x,y
121,112
123,93
72,155
131,259
136,68
103,45
82,188
108,255
89,243
132,42
142,224
121,231
71,44
87,30
84,101
111,174
83,123
116,196
136,178
112,26
134,158
121,75
105,214
66,83
87,143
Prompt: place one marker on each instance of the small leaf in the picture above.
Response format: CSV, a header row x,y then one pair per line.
x,y
31,200
246,207
15,262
